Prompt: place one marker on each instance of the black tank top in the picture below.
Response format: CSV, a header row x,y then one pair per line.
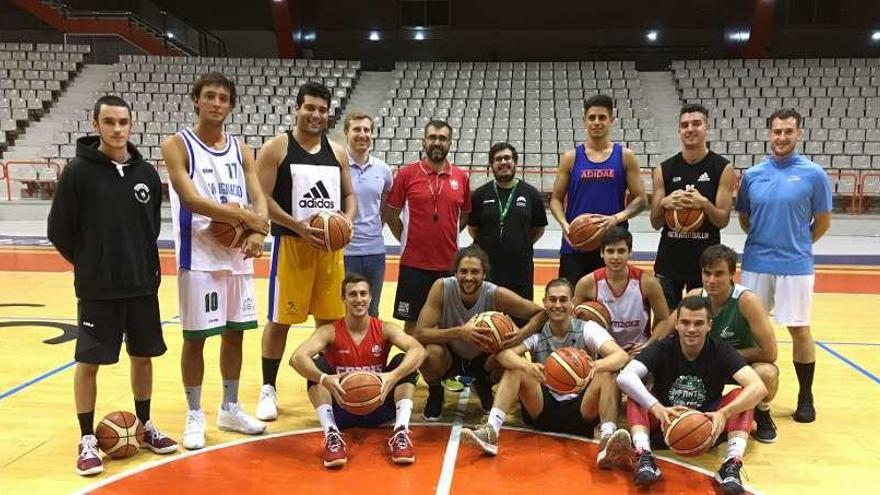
x,y
678,253
283,192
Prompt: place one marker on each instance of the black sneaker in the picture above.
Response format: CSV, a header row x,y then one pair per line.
x,y
728,476
765,431
805,412
434,404
646,471
484,392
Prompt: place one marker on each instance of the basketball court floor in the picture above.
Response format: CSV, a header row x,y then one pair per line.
x,y
38,429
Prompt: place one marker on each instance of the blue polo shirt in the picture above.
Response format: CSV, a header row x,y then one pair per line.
x,y
781,198
370,181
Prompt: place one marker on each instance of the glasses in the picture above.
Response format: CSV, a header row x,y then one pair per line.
x,y
502,158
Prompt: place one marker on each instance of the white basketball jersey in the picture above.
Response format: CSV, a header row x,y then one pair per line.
x,y
218,175
629,310
315,188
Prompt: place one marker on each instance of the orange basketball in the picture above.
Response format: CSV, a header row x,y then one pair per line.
x,y
689,434
363,389
227,234
120,434
583,234
337,229
567,370
498,326
594,311
687,220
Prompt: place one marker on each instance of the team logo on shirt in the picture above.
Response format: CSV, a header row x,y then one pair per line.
x,y
688,391
704,177
521,201
142,192
453,184
317,197
726,333
247,306
676,179
376,350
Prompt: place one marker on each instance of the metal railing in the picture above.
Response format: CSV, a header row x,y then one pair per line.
x,y
175,31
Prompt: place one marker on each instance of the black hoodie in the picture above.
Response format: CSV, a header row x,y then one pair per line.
x,y
106,223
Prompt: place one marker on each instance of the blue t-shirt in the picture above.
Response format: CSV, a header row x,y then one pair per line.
x,y
781,198
369,182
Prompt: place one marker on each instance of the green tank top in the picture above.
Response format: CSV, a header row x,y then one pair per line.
x,y
729,324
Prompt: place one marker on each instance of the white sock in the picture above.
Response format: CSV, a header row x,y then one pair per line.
x,y
736,447
325,416
641,441
606,429
496,419
404,410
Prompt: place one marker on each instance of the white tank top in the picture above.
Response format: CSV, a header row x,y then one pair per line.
x,y
629,310
218,175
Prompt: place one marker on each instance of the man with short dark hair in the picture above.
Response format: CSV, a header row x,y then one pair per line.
x,y
507,218
594,179
105,219
695,177
784,206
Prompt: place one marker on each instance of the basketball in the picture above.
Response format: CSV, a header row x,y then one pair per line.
x,y
363,389
227,234
120,434
594,311
567,370
689,434
498,326
336,227
687,220
583,234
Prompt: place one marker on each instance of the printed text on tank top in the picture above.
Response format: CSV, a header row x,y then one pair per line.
x,y
598,158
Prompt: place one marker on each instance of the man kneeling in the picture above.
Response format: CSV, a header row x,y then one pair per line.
x,y
360,342
546,410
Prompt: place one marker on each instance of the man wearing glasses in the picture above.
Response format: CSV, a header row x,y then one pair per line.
x,y
506,219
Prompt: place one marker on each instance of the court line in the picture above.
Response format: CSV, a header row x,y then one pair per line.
x,y
832,342
444,483
851,364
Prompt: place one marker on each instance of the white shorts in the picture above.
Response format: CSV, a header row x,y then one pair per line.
x,y
213,302
789,296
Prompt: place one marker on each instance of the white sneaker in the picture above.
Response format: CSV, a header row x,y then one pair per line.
x,y
235,419
194,430
267,407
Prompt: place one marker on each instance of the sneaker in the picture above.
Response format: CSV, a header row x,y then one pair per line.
x,y
335,454
194,430
402,451
434,403
614,450
156,441
765,430
484,392
453,385
235,419
88,459
267,407
805,412
646,471
728,476
483,436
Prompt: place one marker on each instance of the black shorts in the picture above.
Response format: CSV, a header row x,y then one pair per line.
x,y
471,369
575,265
413,285
560,416
673,288
103,323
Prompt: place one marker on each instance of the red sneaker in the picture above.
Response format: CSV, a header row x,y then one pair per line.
x,y
88,461
335,454
402,451
156,441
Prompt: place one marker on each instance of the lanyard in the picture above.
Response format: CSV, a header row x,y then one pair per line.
x,y
435,195
504,209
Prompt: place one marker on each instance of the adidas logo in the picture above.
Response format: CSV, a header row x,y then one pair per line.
x,y
704,177
317,197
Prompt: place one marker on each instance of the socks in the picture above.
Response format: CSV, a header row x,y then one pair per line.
x,y
763,406
270,371
606,429
86,423
404,411
193,397
736,447
230,393
325,417
805,372
496,419
641,441
142,410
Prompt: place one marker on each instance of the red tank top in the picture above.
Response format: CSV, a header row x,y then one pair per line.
x,y
344,355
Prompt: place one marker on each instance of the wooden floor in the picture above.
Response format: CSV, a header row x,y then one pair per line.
x,y
38,429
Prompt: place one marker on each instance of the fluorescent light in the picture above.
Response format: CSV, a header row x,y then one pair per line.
x,y
651,35
375,36
419,36
875,36
741,36
169,34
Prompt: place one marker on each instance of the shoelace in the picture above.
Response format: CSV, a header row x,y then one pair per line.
x,y
89,447
400,438
334,442
194,421
154,432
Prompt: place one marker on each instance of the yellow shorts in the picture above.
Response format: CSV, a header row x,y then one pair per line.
x,y
303,281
